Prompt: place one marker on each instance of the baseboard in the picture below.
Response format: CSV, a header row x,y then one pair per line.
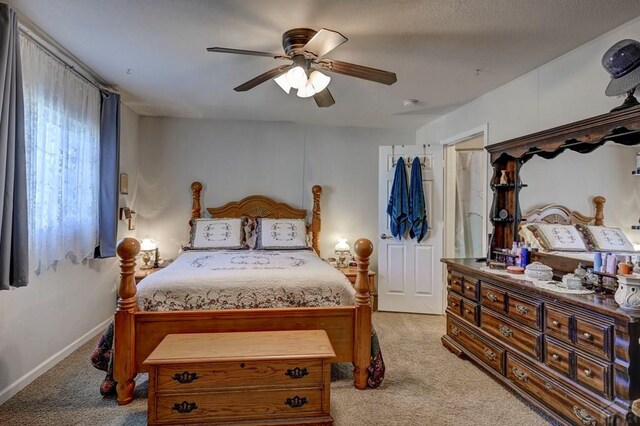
x,y
43,367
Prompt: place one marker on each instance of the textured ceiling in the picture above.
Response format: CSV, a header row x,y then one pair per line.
x,y
434,46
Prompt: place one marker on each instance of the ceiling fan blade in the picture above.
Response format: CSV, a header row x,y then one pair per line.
x,y
324,41
359,71
273,73
246,52
324,99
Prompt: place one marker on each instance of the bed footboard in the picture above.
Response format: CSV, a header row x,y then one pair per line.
x,y
362,350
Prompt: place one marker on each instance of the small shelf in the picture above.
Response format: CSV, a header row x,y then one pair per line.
x,y
500,220
507,185
635,227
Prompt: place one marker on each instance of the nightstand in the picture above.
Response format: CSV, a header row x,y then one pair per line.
x,y
141,273
351,273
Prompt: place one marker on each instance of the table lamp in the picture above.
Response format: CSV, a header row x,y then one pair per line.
x,y
148,246
342,250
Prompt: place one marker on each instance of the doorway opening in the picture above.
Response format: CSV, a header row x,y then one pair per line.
x,y
466,208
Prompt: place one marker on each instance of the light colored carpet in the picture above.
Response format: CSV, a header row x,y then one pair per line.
x,y
425,385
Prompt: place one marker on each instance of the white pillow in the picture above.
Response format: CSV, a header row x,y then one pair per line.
x,y
555,237
281,234
217,233
602,238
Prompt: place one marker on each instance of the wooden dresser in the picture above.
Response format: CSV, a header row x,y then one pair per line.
x,y
575,357
248,378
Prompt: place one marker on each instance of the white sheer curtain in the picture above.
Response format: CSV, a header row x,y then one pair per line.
x,y
62,128
469,203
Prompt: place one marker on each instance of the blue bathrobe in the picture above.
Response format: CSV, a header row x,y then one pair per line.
x,y
398,207
418,215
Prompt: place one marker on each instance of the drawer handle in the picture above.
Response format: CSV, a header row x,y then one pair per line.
x,y
555,323
296,401
588,372
492,297
505,330
469,287
185,377
587,336
454,304
548,385
455,331
490,354
297,373
520,375
467,311
555,357
184,407
583,416
522,309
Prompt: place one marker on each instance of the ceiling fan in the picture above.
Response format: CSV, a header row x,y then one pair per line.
x,y
306,48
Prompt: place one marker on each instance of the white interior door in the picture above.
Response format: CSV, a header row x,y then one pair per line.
x,y
410,275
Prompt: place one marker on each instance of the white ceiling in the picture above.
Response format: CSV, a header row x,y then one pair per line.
x,y
434,46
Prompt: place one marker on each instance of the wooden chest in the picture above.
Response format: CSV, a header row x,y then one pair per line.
x,y
249,378
574,356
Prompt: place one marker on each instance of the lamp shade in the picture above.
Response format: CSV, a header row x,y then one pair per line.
x,y
148,244
283,82
297,77
342,245
319,81
307,91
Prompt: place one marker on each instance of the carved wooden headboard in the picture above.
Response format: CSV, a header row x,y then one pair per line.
x,y
260,206
556,213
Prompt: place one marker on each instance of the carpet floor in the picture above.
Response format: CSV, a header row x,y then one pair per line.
x,y
425,385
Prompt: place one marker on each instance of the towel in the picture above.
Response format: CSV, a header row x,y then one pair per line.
x,y
418,215
398,207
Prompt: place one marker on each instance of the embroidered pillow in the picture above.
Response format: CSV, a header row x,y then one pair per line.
x,y
250,233
216,234
602,238
281,234
555,237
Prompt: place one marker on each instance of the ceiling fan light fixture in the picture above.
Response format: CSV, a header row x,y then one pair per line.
x,y
283,82
297,77
319,81
306,91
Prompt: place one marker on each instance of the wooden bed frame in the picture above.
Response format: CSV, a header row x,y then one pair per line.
x,y
556,213
137,333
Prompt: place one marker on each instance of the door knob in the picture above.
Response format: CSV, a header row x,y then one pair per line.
x,y
385,236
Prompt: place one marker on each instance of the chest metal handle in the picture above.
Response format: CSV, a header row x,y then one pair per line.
x,y
555,357
490,354
455,331
520,375
584,416
505,330
297,373
522,309
185,377
588,372
185,407
492,297
588,336
555,323
296,401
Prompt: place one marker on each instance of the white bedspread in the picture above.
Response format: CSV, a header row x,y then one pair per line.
x,y
244,279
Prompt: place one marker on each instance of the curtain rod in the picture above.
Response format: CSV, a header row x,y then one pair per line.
x,y
32,34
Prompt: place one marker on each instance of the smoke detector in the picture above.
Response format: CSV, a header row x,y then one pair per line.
x,y
410,102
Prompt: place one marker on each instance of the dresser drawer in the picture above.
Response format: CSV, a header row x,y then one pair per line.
x,y
593,374
524,310
515,335
490,353
455,281
470,311
188,377
558,357
470,288
558,324
493,297
566,403
454,302
593,338
237,405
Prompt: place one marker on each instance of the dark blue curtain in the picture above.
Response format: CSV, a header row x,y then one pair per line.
x,y
109,172
14,237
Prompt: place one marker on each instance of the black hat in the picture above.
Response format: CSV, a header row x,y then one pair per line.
x,y
622,62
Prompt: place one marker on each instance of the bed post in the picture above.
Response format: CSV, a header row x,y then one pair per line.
x,y
196,208
599,217
315,220
124,365
362,351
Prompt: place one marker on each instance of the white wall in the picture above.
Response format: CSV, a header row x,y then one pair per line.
x,y
235,159
567,89
60,309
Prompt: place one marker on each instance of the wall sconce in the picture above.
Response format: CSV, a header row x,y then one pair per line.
x,y
148,246
343,251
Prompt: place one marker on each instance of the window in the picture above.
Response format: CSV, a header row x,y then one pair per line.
x,y
62,129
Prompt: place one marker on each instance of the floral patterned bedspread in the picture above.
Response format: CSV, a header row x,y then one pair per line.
x,y
208,280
